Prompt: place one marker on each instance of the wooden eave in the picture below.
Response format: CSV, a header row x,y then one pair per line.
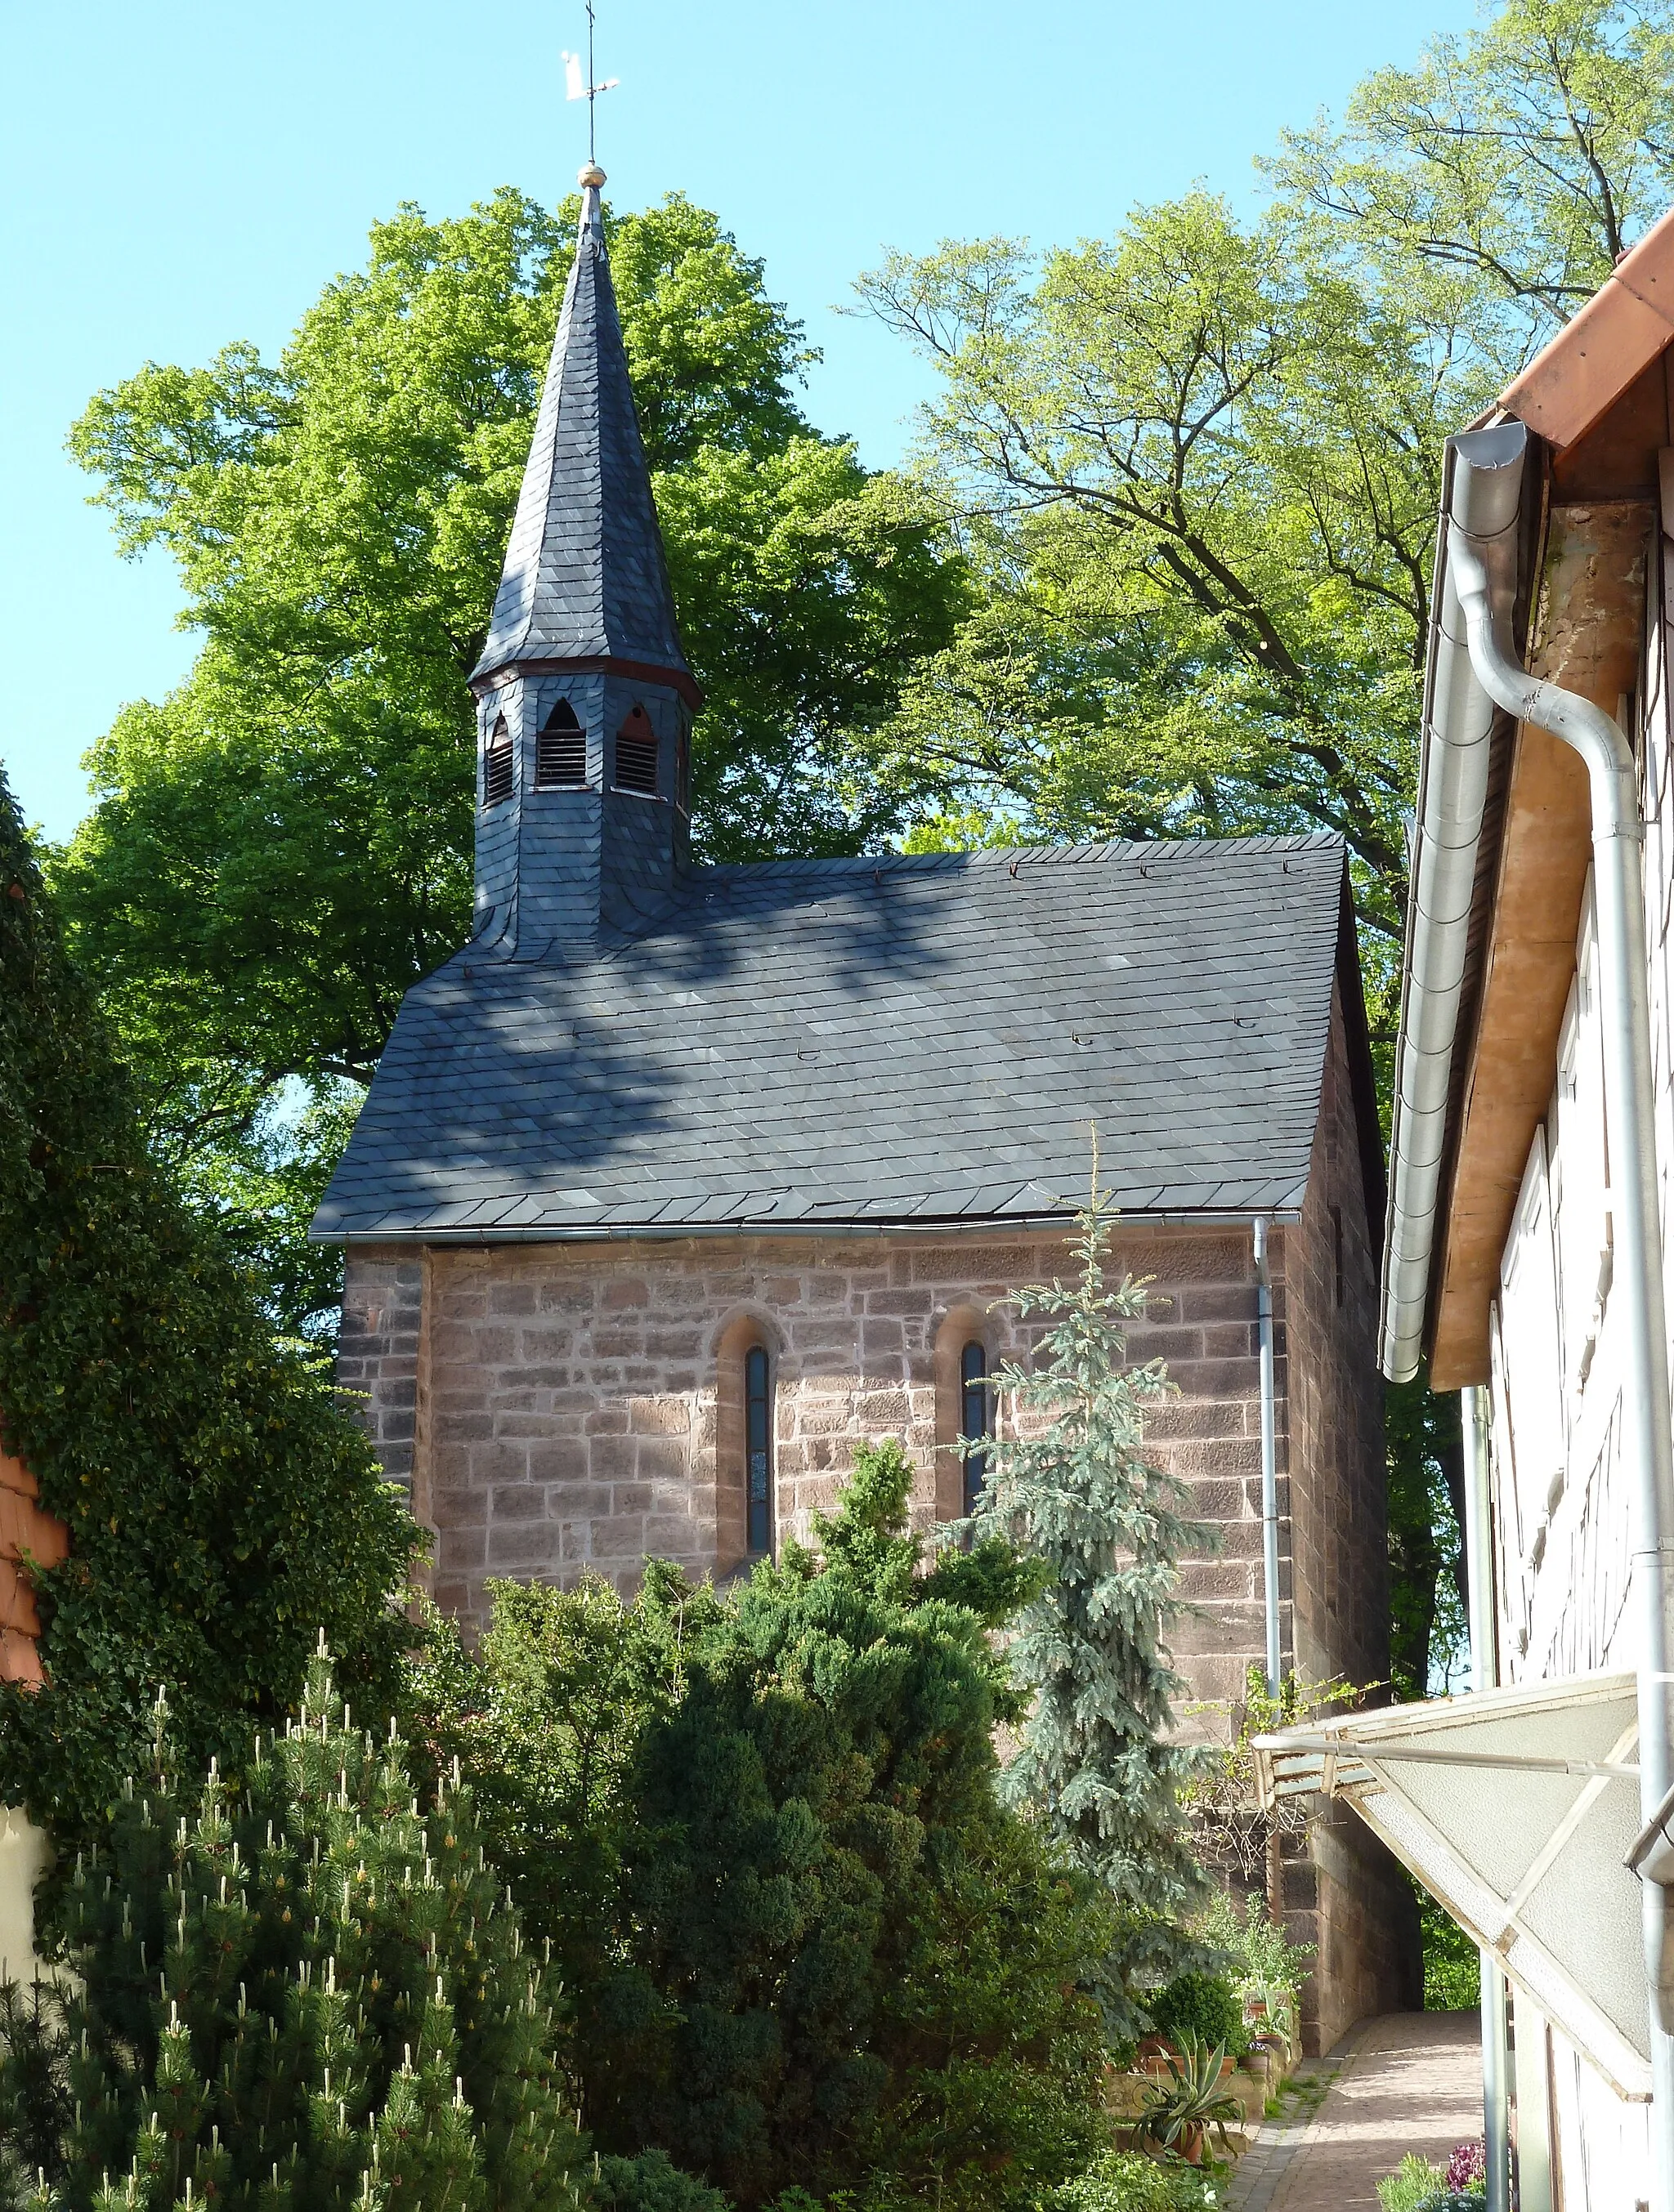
x,y
1591,507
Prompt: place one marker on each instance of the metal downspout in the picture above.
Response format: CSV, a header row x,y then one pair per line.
x,y
1270,1461
1618,837
1484,1675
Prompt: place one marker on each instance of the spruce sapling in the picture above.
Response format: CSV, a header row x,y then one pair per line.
x,y
1071,1484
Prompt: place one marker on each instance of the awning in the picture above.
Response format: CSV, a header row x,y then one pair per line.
x,y
1517,1809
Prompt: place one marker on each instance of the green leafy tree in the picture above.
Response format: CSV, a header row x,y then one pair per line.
x,y
220,1507
835,1961
1194,467
1512,168
1095,1762
282,846
290,1988
1429,1638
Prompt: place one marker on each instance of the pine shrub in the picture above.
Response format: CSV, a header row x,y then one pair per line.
x,y
221,1506
290,1990
831,1961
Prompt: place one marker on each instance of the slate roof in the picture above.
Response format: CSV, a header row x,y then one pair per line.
x,y
585,576
908,1039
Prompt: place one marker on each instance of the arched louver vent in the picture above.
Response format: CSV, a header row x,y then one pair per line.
x,y
497,764
561,750
637,754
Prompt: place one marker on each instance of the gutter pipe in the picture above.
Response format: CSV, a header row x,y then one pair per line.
x,y
1269,1460
1484,1675
1482,497
1476,583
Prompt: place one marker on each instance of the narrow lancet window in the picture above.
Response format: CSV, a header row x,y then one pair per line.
x,y
637,754
497,764
758,1451
976,1411
561,750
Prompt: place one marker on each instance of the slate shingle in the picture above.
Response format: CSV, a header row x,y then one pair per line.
x,y
913,1038
585,575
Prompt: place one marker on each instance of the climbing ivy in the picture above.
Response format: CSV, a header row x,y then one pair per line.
x,y
222,1508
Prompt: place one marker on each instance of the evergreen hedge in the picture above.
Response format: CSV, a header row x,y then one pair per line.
x,y
809,1949
222,1508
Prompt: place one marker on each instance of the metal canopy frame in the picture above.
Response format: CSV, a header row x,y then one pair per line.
x,y
1516,1808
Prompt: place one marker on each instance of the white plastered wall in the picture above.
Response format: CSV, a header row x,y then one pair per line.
x,y
23,1849
1561,1527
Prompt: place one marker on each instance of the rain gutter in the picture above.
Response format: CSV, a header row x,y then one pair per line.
x,y
1484,479
901,1224
1269,1460
1485,1675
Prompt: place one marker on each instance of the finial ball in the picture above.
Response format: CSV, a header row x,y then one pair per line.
x,y
591,174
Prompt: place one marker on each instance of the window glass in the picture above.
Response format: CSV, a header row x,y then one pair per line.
x,y
975,1409
758,1451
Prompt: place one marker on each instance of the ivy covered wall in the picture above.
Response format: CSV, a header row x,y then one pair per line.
x,y
222,1509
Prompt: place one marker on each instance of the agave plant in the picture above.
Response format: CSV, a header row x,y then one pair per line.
x,y
1190,2101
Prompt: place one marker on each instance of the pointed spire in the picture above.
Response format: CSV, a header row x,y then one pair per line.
x,y
585,577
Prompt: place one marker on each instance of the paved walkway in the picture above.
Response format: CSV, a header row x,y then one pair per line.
x,y
1409,2081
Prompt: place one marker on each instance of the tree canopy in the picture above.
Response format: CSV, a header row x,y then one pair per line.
x,y
282,846
1195,464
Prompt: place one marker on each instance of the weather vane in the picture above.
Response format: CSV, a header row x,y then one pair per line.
x,y
576,87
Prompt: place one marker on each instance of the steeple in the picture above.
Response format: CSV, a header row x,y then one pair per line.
x,y
584,695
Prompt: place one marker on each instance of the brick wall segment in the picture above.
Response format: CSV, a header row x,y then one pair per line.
x,y
25,1532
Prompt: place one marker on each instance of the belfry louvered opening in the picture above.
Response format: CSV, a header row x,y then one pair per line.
x,y
561,750
637,754
497,764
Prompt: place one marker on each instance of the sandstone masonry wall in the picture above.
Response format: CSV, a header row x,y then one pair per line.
x,y
1346,1896
570,1399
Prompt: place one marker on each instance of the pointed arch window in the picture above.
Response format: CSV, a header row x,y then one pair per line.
x,y
497,764
636,753
561,750
975,1417
758,1451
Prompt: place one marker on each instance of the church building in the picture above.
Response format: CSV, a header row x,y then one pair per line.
x,y
678,1181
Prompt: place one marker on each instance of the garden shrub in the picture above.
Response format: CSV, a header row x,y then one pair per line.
x,y
651,2182
1254,1947
1128,2181
222,1508
291,1987
1205,2007
833,1961
1413,2183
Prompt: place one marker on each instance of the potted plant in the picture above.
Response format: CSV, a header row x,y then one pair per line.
x,y
1189,2102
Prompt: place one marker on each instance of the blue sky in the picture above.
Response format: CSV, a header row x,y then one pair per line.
x,y
177,175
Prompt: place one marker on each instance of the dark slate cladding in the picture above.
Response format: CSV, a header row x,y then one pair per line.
x,y
908,1039
585,575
